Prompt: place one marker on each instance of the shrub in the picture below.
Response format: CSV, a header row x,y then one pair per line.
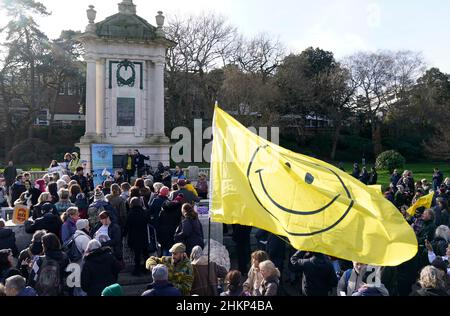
x,y
390,160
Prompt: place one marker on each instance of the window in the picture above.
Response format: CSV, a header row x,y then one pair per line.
x,y
71,89
62,89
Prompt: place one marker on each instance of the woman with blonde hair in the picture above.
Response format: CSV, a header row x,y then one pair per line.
x,y
270,282
432,283
69,218
253,274
44,198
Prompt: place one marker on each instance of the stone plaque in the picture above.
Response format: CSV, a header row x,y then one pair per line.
x,y
126,112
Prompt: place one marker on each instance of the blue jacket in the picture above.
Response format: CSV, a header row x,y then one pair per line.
x,y
28,291
162,289
68,229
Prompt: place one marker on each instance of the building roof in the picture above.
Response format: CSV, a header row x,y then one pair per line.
x,y
126,26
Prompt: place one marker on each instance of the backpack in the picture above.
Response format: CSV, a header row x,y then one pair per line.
x,y
71,249
93,213
49,278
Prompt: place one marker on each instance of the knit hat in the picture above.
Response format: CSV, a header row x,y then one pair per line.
x,y
164,191
82,224
178,248
179,198
41,184
113,290
160,273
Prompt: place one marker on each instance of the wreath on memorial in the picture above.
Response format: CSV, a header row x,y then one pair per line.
x,y
122,81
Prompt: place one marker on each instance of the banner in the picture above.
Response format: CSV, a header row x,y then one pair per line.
x,y
317,206
102,162
21,214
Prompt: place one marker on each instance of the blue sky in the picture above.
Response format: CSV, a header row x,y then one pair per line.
x,y
342,26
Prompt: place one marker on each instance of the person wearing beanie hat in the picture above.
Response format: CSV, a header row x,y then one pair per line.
x,y
161,286
113,290
81,235
179,268
99,270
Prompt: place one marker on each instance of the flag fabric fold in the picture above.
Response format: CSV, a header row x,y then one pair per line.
x,y
424,201
315,205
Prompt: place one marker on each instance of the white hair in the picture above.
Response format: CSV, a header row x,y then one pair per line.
x,y
443,232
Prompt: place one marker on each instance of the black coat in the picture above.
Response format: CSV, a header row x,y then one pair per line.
x,y
139,161
136,229
16,190
155,210
429,292
319,276
8,240
115,242
82,181
169,220
50,222
99,271
190,233
10,175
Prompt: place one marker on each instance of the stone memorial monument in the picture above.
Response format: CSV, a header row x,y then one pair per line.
x,y
125,58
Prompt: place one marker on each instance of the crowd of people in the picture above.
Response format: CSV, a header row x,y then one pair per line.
x,y
74,222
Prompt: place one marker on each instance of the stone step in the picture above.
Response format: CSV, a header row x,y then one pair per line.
x,y
126,279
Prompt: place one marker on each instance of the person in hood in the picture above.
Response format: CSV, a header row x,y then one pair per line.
x,y
100,269
319,277
202,285
16,286
7,238
161,286
52,253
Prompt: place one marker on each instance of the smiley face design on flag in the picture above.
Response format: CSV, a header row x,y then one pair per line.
x,y
300,204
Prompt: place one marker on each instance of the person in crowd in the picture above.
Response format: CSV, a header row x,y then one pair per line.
x,y
113,290
167,177
276,249
432,283
118,177
47,274
17,188
373,176
128,166
139,162
441,240
61,184
202,186
136,231
119,204
440,211
156,206
364,176
191,188
74,190
268,279
352,280
81,179
257,257
161,286
144,191
438,179
52,188
3,196
169,220
28,255
74,164
69,218
399,198
99,205
109,235
8,238
10,175
372,290
125,190
81,203
81,235
395,177
48,221
205,282
17,286
156,188
100,269
179,267
319,277
428,229
107,187
190,231
64,201
241,237
356,171
157,175
66,162
233,285
6,265
188,195
179,173
34,192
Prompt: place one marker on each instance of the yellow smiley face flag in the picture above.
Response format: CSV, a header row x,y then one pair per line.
x,y
314,204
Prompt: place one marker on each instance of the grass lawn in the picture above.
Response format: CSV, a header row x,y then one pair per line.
x,y
420,171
